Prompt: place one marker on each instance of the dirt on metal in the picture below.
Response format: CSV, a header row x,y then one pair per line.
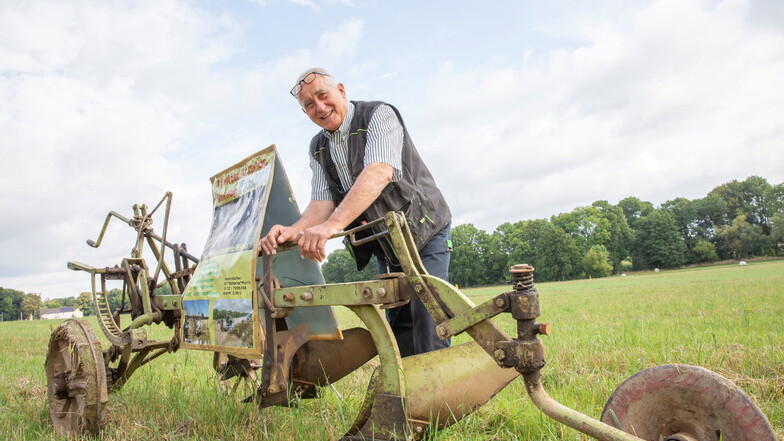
x,y
685,403
76,379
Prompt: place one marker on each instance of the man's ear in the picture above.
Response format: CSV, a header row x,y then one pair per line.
x,y
342,90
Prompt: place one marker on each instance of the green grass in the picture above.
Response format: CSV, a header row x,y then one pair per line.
x,y
725,318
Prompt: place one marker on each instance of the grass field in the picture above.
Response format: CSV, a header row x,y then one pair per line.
x,y
729,319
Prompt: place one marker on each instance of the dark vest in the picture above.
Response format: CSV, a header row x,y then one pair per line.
x,y
415,194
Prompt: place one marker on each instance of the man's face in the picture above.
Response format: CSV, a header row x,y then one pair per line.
x,y
325,105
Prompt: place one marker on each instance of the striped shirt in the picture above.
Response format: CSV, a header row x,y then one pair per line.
x,y
384,144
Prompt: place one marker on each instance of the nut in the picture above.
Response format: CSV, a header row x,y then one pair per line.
x,y
367,292
442,332
499,354
288,297
499,302
306,296
381,292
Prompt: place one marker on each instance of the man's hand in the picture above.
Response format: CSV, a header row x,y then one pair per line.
x,y
278,234
313,241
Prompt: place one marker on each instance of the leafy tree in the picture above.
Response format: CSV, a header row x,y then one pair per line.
x,y
115,299
634,209
709,214
705,251
621,235
541,244
10,303
777,231
31,305
749,197
495,261
467,266
513,244
684,211
85,303
658,242
596,262
340,267
586,225
600,224
52,303
742,238
523,241
558,257
775,199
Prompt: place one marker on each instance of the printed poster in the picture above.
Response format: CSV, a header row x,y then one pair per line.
x,y
220,299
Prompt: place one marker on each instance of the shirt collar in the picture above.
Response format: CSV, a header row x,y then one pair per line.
x,y
342,131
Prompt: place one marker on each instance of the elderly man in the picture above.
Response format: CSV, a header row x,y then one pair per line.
x,y
364,164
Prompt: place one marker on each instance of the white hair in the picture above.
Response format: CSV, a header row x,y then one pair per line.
x,y
328,78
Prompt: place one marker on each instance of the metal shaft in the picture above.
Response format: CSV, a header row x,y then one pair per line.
x,y
571,417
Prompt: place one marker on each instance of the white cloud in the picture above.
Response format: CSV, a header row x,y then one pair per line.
x,y
307,3
95,100
636,110
340,45
104,105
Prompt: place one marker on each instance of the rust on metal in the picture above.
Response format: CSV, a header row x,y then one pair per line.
x,y
405,396
320,362
76,379
684,403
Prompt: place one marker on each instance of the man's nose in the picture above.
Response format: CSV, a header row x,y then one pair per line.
x,y
320,106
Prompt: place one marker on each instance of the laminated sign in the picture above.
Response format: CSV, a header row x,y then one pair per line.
x,y
221,303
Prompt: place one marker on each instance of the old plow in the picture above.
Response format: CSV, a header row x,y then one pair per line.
x,y
270,323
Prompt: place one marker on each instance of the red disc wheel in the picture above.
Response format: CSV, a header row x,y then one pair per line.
x,y
685,403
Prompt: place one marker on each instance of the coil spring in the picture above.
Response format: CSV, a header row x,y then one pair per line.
x,y
522,277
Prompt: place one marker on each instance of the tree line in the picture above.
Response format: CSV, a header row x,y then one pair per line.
x,y
17,305
735,220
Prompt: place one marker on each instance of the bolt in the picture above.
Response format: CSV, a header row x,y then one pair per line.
x,y
306,296
381,292
367,292
442,332
543,328
499,302
418,288
288,297
499,354
419,429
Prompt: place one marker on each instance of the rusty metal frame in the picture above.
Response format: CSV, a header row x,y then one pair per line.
x,y
403,399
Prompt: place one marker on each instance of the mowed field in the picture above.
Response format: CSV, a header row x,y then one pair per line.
x,y
729,319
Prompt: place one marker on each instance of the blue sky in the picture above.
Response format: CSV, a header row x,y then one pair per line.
x,y
522,109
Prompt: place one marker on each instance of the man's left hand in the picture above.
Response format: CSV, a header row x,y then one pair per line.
x,y
312,243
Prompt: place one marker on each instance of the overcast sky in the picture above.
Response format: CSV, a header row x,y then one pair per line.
x,y
521,109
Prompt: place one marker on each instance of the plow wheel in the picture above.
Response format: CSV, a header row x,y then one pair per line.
x,y
76,379
685,403
237,376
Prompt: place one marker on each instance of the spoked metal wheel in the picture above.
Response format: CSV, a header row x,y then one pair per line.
x,y
237,376
76,379
685,403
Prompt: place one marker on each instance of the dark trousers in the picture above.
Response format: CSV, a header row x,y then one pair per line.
x,y
414,329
